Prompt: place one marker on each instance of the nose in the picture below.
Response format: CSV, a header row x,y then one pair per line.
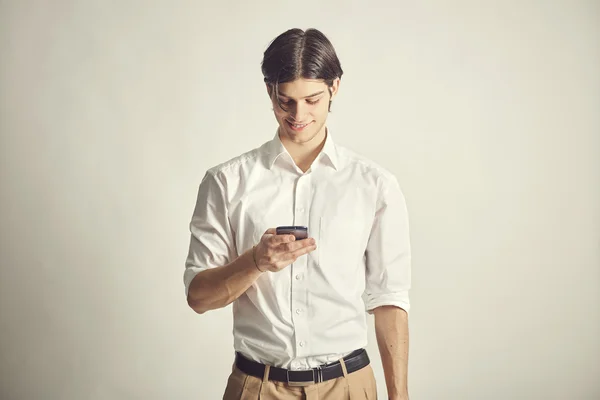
x,y
298,111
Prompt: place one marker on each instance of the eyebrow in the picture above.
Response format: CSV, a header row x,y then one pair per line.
x,y
305,97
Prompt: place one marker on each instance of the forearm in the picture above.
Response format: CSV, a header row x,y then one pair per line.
x,y
217,287
391,328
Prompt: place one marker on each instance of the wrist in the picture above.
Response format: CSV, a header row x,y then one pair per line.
x,y
398,393
398,396
254,261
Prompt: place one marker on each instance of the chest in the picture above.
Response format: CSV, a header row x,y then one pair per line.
x,y
338,209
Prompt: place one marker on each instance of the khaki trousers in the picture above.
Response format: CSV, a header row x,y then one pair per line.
x,y
359,385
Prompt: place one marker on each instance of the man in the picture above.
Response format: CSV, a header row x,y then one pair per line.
x,y
299,314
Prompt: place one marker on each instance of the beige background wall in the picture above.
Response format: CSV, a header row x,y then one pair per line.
x,y
111,111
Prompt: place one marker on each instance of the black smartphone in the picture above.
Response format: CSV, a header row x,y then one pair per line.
x,y
299,232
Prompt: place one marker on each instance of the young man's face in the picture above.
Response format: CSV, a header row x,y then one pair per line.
x,y
306,106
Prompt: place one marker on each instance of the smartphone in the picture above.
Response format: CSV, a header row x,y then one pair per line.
x,y
299,232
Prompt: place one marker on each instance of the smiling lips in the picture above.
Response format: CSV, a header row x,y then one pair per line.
x,y
297,127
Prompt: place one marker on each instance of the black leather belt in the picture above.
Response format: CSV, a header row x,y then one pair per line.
x,y
354,361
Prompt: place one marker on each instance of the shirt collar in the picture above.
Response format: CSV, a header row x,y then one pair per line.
x,y
275,149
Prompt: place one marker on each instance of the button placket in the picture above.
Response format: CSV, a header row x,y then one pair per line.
x,y
299,287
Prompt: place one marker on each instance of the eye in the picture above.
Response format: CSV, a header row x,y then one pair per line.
x,y
314,101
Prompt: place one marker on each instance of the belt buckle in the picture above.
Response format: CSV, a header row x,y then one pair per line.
x,y
317,377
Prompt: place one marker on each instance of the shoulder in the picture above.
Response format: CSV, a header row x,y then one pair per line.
x,y
369,168
382,183
244,161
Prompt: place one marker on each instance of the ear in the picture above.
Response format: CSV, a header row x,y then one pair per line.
x,y
335,87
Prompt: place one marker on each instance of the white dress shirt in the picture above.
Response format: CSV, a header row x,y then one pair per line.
x,y
313,311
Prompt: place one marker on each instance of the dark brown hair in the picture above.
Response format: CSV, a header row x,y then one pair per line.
x,y
300,54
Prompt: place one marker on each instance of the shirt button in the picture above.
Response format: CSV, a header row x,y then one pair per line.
x,y
298,311
298,277
301,210
301,344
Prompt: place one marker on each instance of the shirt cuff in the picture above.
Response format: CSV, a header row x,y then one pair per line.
x,y
189,274
398,299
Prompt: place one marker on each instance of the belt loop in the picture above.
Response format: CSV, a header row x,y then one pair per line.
x,y
266,375
346,380
344,370
265,383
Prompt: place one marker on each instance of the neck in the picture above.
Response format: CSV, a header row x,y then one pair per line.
x,y
304,153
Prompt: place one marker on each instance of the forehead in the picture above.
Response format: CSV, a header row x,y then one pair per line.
x,y
301,88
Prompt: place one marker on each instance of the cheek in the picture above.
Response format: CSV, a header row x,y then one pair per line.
x,y
321,111
279,113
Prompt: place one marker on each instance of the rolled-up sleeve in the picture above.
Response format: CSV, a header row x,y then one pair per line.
x,y
211,242
388,254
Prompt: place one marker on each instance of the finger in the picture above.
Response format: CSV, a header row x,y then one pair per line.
x,y
269,233
288,258
276,240
301,244
301,251
297,244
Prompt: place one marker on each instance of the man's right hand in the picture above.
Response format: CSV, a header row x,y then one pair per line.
x,y
275,252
